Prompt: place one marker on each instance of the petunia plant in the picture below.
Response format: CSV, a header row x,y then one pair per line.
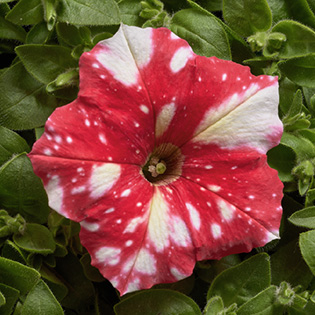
x,y
157,157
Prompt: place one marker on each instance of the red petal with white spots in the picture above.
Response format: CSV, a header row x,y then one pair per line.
x,y
144,88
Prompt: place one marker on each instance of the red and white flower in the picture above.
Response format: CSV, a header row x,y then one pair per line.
x,y
161,158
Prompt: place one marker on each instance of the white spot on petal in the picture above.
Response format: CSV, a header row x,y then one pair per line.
x,y
194,216
133,224
110,210
69,139
77,190
216,230
47,152
226,210
177,274
125,193
208,167
180,58
164,118
144,109
92,227
214,188
87,123
224,76
180,233
145,262
129,243
102,138
58,139
103,178
108,255
55,194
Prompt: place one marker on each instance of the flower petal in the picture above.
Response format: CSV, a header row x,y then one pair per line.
x,y
143,242
78,189
237,178
81,131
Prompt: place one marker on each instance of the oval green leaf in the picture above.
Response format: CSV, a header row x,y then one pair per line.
x,y
247,16
305,218
17,276
88,12
307,245
46,62
24,104
36,239
157,302
40,300
203,32
21,191
300,39
300,70
240,283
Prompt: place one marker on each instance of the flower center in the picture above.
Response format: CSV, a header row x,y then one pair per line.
x,y
164,165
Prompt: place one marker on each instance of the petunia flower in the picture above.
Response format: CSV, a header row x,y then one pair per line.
x,y
162,158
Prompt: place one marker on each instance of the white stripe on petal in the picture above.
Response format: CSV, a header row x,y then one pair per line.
x,y
252,124
158,221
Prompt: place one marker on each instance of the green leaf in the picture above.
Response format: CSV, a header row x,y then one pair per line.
x,y
13,252
36,239
41,301
10,31
262,304
38,34
81,290
305,218
57,287
2,300
90,272
21,191
26,12
88,12
242,282
70,34
287,264
307,244
298,10
157,302
46,62
214,306
11,296
247,16
282,159
204,33
130,12
18,276
24,103
11,143
300,70
303,148
300,39
211,6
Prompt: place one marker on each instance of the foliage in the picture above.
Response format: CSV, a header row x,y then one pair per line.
x,y
43,267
